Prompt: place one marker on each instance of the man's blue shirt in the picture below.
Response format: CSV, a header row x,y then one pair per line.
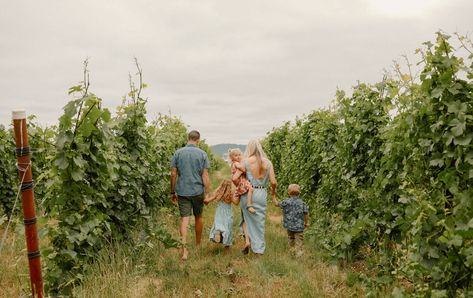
x,y
293,213
190,162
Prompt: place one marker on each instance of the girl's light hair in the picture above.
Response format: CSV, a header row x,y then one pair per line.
x,y
255,149
232,152
293,190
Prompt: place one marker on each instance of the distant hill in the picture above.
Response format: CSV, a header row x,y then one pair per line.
x,y
221,149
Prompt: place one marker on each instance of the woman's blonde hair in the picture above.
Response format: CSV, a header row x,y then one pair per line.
x,y
293,190
255,149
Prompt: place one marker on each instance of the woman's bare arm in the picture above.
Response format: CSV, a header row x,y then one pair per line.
x,y
272,181
239,166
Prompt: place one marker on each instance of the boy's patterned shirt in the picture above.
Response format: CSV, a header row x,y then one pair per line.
x,y
293,213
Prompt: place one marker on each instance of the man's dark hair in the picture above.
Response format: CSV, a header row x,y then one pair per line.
x,y
193,136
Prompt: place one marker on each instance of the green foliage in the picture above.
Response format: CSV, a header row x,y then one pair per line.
x,y
136,164
8,171
216,162
109,176
41,145
435,179
41,141
388,174
80,193
169,134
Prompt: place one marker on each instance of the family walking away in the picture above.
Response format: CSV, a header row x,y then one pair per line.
x,y
189,186
295,218
251,175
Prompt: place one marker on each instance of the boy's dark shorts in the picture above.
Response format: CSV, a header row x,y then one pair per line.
x,y
194,203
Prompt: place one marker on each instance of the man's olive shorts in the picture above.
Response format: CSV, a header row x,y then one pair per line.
x,y
194,203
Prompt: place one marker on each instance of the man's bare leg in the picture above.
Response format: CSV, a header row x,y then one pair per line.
x,y
183,232
199,226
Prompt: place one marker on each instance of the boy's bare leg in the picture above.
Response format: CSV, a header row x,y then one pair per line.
x,y
199,225
183,232
250,208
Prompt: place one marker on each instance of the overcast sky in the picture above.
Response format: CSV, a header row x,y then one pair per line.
x,y
231,69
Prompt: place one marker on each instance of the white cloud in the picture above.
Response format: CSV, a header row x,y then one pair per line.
x,y
404,8
232,69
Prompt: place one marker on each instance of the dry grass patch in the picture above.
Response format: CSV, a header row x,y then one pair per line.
x,y
146,286
14,272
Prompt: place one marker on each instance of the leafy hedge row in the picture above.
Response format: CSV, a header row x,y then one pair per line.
x,y
107,177
388,172
41,141
100,179
8,171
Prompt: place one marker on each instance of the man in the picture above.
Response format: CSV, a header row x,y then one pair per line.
x,y
190,168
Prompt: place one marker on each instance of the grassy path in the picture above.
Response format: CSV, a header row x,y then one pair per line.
x,y
209,272
157,272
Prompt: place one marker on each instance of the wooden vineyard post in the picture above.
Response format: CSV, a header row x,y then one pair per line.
x,y
27,199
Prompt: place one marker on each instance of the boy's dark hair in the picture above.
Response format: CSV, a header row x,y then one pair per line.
x,y
194,135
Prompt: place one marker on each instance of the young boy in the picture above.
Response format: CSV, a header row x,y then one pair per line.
x,y
295,218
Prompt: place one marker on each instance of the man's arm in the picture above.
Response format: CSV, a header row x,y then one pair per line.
x,y
206,181
173,185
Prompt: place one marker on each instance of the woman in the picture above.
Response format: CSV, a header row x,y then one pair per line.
x,y
259,171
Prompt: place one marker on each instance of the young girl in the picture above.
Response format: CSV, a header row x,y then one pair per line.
x,y
243,185
221,231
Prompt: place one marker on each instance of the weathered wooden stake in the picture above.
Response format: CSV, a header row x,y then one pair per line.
x,y
27,196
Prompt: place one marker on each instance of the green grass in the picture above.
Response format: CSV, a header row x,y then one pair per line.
x,y
124,271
